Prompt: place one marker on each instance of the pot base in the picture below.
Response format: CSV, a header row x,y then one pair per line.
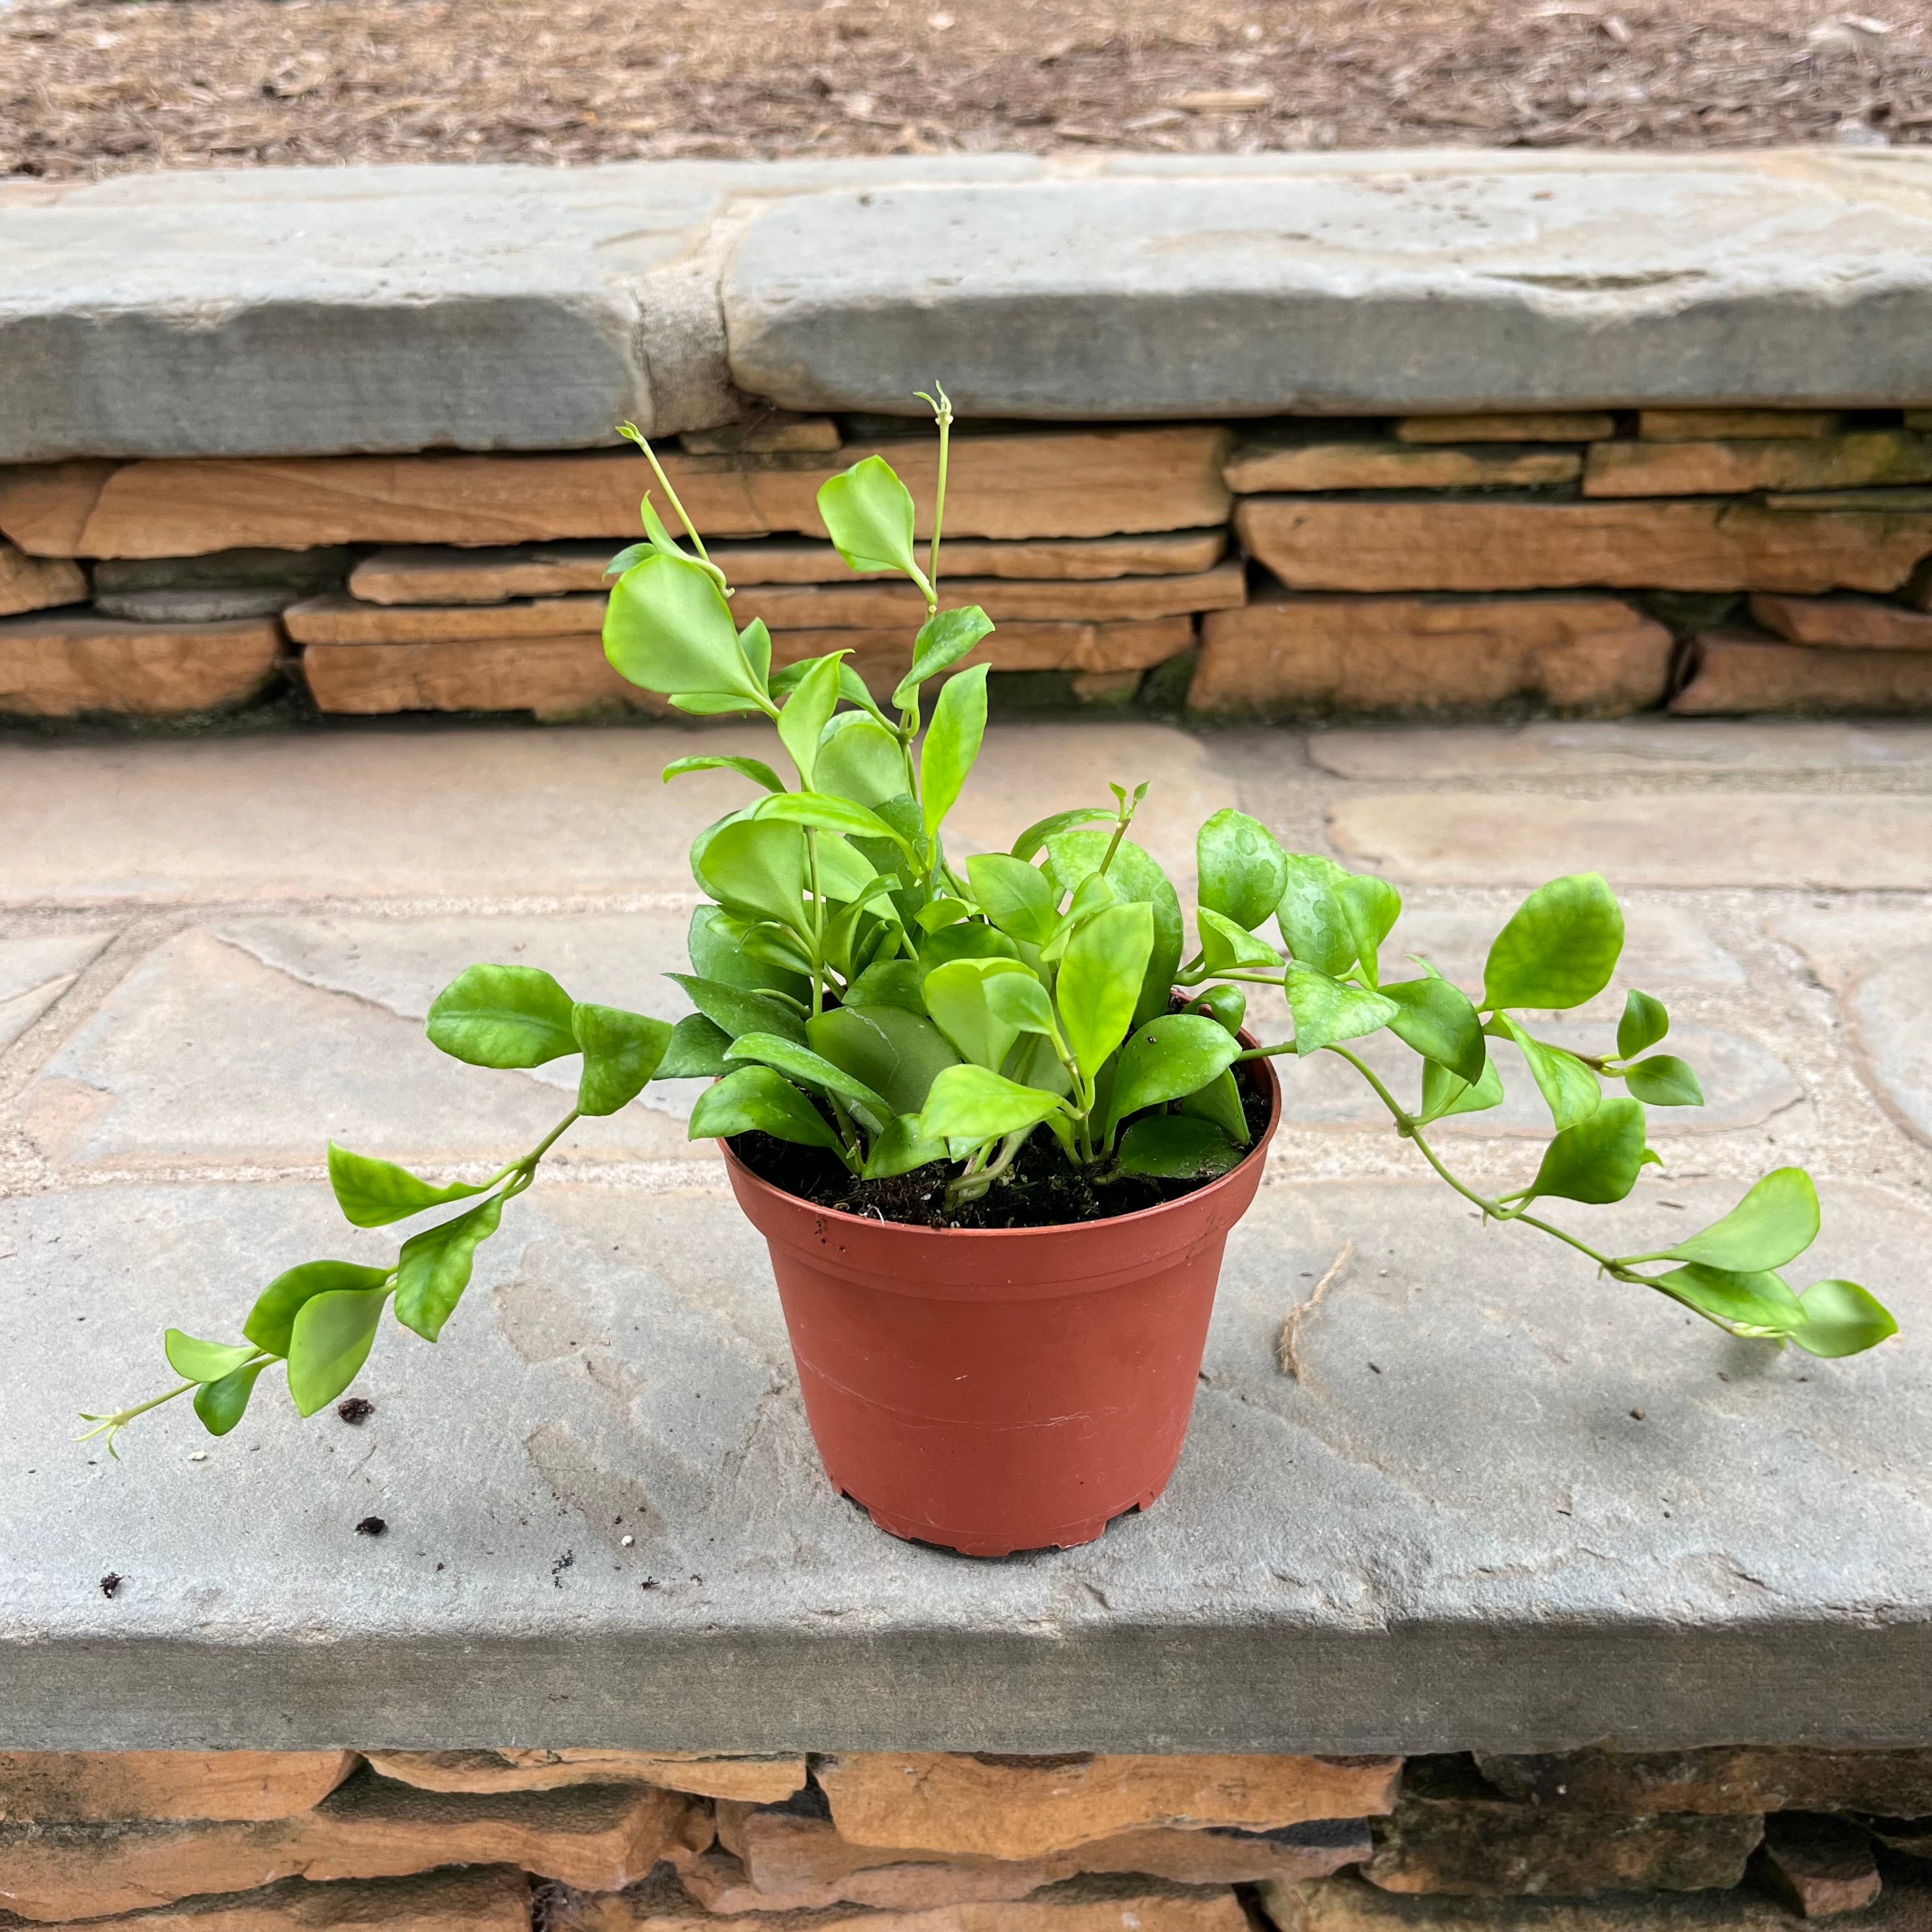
x,y
1069,1536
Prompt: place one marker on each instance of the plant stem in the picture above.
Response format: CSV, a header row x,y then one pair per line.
x,y
1405,1125
664,483
942,416
817,925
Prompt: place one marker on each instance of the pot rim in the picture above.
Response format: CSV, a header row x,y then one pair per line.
x,y
1200,1195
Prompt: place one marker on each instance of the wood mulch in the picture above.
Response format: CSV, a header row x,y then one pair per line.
x,y
98,87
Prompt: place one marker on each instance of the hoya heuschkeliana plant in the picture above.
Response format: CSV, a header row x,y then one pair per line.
x,y
859,990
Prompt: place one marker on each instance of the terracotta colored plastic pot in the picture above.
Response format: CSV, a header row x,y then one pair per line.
x,y
1002,1389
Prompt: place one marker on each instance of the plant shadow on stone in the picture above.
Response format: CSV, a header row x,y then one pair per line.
x,y
966,1043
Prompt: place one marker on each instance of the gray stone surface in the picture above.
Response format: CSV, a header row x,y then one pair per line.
x,y
313,311
1447,1530
1375,283
304,311
1471,1543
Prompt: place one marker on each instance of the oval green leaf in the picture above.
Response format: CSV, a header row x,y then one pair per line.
x,y
1774,1223
331,1338
503,1016
1664,1080
757,1099
270,1322
1598,1159
622,1053
1244,871
1559,948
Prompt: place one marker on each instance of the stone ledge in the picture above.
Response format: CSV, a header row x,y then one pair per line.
x,y
494,308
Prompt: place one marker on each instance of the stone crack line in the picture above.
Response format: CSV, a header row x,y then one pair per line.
x,y
1287,1347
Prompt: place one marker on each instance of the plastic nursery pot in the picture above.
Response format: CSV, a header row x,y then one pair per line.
x,y
997,1389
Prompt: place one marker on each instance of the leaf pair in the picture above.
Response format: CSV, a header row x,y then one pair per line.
x,y
518,1016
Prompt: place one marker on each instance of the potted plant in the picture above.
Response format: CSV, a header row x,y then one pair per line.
x,y
995,1113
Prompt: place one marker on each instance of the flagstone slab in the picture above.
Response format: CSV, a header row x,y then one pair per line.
x,y
1498,1504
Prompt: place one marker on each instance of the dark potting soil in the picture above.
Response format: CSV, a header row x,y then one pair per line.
x,y
1042,1189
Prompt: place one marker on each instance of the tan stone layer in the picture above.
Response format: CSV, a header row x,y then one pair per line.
x,y
1021,1808
1347,1904
1314,543
1097,1904
1531,426
1363,464
1732,425
1847,623
1739,671
1289,653
560,677
1071,483
602,1837
758,1781
1858,459
85,1787
336,618
432,573
38,583
65,666
804,1861
490,1898
1721,1778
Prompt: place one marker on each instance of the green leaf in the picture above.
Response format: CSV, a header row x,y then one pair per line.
x,y
974,1104
955,993
270,1322
952,744
1438,1020
1569,1088
1444,1093
1027,845
755,641
756,865
892,982
1644,1023
221,1404
1664,1080
330,1341
1326,1011
1167,1059
1220,1101
944,639
964,939
738,1011
844,872
812,1069
1370,907
1226,947
1774,1223
807,711
756,769
1762,1301
1227,1007
1021,1001
204,1361
668,629
695,1051
502,1016
867,513
1841,1318
1073,863
1100,982
897,1054
1312,924
755,1098
716,951
900,1149
632,554
436,1265
372,1193
1015,895
828,813
712,704
1244,870
1560,947
1598,1159
1177,1147
622,1053
859,759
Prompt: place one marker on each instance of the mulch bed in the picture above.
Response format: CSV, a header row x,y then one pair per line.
x,y
96,87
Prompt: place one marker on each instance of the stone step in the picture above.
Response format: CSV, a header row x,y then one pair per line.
x,y
72,665
1848,623
1740,671
1858,459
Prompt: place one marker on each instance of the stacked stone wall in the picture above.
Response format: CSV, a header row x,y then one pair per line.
x,y
592,1841
1586,563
